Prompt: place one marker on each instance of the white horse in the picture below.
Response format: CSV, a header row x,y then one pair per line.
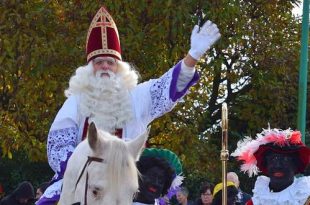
x,y
102,170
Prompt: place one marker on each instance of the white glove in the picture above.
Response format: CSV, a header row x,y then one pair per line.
x,y
202,40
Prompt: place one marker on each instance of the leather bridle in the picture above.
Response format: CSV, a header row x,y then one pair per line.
x,y
89,160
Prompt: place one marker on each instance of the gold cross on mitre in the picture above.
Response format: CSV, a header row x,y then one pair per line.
x,y
103,20
101,23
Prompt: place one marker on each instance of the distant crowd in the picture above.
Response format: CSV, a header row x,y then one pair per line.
x,y
23,194
212,195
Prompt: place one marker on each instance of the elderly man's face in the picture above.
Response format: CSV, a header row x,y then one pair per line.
x,y
281,170
181,197
105,65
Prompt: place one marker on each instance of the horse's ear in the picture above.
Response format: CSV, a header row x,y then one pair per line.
x,y
135,146
92,135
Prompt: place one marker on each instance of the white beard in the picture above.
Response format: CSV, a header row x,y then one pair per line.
x,y
104,100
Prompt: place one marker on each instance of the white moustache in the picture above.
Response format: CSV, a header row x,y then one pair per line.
x,y
101,73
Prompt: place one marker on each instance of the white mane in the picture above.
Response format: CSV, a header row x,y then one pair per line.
x,y
113,181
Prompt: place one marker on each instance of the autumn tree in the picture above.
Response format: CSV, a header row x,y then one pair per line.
x,y
253,68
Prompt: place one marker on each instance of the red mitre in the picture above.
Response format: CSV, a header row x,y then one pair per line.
x,y
102,37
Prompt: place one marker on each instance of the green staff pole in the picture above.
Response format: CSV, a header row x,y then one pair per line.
x,y
302,89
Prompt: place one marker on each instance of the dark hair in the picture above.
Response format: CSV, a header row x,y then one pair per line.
x,y
205,186
232,191
43,186
24,190
146,163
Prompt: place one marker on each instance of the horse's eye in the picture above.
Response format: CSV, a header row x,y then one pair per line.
x,y
97,192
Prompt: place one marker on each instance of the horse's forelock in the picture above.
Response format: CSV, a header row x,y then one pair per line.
x,y
121,167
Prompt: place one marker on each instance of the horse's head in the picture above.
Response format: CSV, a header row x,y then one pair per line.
x,y
110,175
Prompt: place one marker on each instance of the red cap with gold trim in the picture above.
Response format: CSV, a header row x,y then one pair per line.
x,y
102,37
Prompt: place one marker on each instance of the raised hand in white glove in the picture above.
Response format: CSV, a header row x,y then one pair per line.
x,y
203,39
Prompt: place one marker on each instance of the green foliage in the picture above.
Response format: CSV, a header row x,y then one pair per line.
x,y
31,74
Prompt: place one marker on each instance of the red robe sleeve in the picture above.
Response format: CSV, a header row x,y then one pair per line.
x,y
250,202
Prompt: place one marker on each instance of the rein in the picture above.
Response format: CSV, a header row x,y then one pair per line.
x,y
89,160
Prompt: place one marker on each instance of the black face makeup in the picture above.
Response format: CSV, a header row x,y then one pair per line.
x,y
281,170
151,185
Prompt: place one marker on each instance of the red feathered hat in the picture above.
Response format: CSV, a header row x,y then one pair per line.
x,y
252,152
299,150
102,37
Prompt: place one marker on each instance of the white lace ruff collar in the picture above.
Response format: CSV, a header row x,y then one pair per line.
x,y
295,194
